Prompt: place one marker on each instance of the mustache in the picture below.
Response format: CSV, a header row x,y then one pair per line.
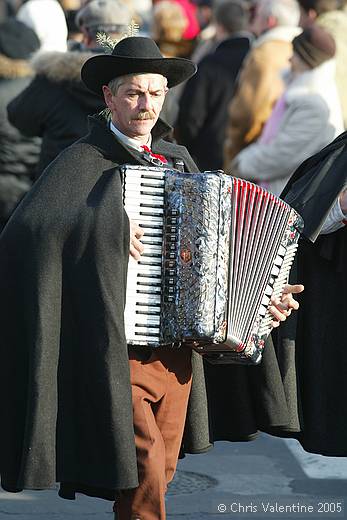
x,y
148,114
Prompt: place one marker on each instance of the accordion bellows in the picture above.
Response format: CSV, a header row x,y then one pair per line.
x,y
216,249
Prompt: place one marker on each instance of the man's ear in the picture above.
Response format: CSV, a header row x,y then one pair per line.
x,y
107,96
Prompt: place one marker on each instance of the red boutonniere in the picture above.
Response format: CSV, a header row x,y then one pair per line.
x,y
155,158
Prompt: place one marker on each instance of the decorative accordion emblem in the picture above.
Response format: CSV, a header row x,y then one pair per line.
x,y
216,249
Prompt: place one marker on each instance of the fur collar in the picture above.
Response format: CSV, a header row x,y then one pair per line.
x,y
13,69
60,66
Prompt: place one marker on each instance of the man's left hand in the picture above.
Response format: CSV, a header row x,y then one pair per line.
x,y
281,309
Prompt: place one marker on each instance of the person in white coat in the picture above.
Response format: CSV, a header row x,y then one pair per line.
x,y
305,119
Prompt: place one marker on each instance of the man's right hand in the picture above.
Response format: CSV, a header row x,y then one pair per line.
x,y
136,247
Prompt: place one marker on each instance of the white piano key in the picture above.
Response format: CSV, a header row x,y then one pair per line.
x,y
144,212
265,301
262,310
145,320
147,280
268,290
137,201
145,269
142,181
275,270
145,299
278,261
143,219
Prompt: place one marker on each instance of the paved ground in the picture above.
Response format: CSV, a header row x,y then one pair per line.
x,y
248,480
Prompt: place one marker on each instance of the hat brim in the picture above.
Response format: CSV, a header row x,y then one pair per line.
x,y
100,70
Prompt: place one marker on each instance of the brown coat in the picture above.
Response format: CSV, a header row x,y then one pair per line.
x,y
260,85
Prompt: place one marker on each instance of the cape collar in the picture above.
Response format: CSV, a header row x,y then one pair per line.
x,y
102,138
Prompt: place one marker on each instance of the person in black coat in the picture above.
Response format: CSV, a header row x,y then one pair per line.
x,y
203,106
19,154
313,340
56,104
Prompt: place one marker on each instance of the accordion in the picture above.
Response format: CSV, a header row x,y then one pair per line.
x,y
216,249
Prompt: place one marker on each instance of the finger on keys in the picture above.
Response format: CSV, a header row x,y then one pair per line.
x,y
136,230
278,314
136,248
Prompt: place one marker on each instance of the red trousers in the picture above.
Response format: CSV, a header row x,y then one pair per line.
x,y
160,392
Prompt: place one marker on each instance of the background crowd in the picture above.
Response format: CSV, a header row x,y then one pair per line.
x,y
270,91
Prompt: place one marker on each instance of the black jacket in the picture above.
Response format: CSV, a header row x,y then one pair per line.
x,y
204,103
56,104
19,154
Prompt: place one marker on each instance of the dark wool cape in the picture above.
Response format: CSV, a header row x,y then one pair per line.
x,y
65,395
316,335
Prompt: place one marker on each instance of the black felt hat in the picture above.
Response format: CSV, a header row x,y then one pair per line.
x,y
17,41
134,55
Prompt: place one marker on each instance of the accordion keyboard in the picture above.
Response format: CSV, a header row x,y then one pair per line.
x,y
144,203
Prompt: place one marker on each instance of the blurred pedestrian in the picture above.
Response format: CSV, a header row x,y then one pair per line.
x,y
260,83
205,43
330,15
203,105
19,154
56,104
306,117
168,26
47,19
169,23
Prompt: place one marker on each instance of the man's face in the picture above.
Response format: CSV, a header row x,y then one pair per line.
x,y
137,104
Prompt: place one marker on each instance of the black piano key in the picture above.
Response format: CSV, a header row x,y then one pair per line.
x,y
151,205
152,177
148,324
148,225
149,242
150,334
149,214
154,292
150,255
152,193
149,275
152,262
148,313
149,284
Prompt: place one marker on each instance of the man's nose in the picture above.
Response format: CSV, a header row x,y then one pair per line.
x,y
145,102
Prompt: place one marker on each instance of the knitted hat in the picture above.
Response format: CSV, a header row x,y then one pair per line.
x,y
104,16
17,41
314,46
